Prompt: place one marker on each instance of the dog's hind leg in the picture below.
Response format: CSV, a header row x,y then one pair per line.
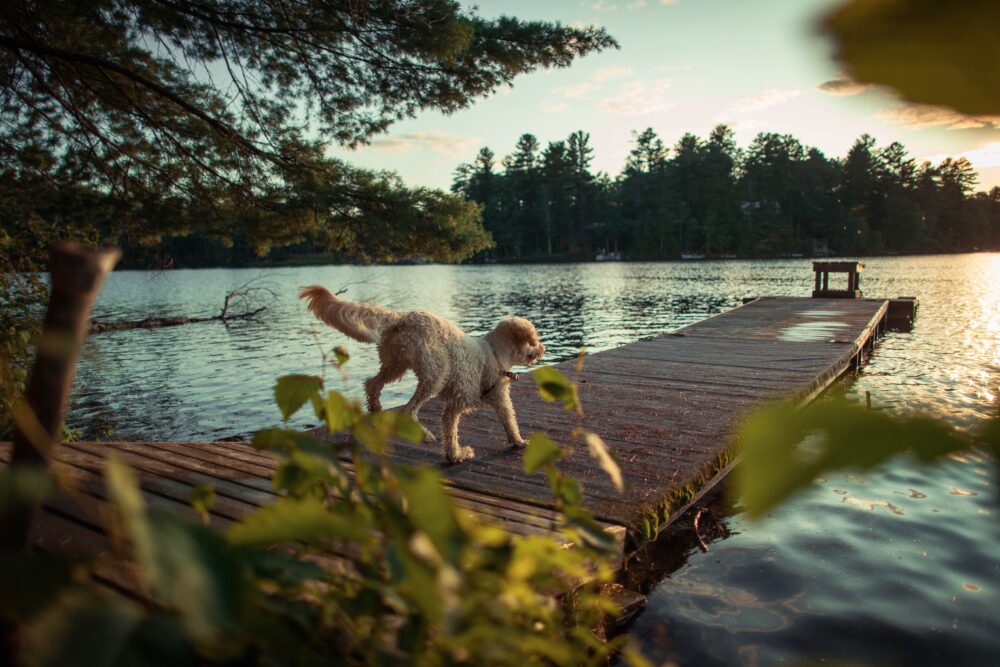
x,y
426,390
453,451
373,385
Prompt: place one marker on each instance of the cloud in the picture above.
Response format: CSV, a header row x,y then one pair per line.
x,y
918,116
606,73
766,99
547,106
983,157
686,67
746,125
606,6
443,144
843,85
577,91
637,97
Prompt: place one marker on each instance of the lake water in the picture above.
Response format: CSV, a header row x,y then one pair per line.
x,y
896,567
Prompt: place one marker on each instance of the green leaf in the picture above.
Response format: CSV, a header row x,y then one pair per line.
x,y
125,496
570,491
540,452
553,386
409,428
431,510
605,459
283,568
304,475
417,582
82,629
195,572
589,533
282,439
341,414
88,629
633,657
375,431
291,392
291,520
24,484
784,450
202,499
30,580
340,356
939,53
185,567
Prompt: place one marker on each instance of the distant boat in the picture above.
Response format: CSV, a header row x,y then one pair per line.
x,y
728,257
610,256
692,255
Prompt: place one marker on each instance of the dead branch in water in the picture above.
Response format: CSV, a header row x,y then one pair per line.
x,y
248,295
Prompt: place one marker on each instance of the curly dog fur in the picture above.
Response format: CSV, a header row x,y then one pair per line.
x,y
464,371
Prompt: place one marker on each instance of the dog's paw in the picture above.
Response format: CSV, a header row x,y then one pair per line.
x,y
462,453
429,437
517,444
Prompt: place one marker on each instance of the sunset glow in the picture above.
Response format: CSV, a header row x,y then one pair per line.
x,y
683,66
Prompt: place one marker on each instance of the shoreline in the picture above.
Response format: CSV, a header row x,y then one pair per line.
x,y
325,260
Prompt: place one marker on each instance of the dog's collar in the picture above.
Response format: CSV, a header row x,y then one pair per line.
x,y
503,374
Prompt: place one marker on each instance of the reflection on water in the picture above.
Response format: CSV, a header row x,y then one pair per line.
x,y
811,331
894,567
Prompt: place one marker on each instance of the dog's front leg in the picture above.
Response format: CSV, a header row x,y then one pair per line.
x,y
453,451
505,413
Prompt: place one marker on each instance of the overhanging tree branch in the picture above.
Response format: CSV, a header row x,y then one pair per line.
x,y
18,45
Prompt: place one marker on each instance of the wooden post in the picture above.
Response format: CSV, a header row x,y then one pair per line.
x,y
77,274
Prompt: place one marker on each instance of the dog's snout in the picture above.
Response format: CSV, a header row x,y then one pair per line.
x,y
536,353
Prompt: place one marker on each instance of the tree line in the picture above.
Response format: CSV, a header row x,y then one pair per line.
x,y
708,196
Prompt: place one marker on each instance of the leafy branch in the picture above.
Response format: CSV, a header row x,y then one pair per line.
x,y
784,450
360,560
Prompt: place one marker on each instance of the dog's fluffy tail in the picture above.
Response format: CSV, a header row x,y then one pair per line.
x,y
364,322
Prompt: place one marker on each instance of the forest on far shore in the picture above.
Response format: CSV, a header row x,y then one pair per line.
x,y
776,197
703,196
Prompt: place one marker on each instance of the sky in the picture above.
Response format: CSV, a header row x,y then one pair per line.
x,y
683,66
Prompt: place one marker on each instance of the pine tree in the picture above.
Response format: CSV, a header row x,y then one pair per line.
x,y
580,155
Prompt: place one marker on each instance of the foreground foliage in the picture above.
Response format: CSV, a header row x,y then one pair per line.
x,y
359,561
938,53
785,450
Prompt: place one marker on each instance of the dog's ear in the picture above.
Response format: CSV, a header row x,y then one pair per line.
x,y
519,330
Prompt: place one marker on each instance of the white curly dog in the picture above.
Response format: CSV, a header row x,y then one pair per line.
x,y
465,371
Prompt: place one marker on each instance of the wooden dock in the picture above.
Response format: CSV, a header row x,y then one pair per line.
x,y
665,405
